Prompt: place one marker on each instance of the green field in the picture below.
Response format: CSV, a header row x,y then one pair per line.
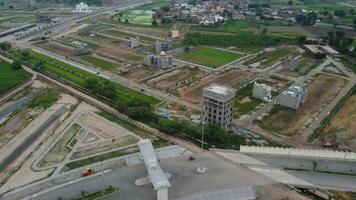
x,y
142,15
103,64
77,76
44,99
213,58
11,77
268,58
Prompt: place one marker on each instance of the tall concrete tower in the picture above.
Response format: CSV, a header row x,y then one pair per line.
x,y
218,104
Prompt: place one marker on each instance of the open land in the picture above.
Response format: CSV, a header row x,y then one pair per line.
x,y
232,78
174,78
342,127
266,59
321,91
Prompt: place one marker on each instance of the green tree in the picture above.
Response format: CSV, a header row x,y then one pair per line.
x,y
108,90
154,22
92,84
5,46
16,65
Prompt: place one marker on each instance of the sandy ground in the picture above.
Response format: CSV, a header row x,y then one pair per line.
x,y
102,126
25,174
321,91
342,127
230,78
58,48
73,29
139,73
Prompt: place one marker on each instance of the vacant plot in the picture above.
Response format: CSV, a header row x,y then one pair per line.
x,y
244,102
60,150
266,59
289,31
173,78
232,78
342,128
58,48
11,77
120,53
140,72
209,57
321,91
128,35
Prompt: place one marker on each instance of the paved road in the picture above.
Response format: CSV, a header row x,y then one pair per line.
x,y
272,167
185,181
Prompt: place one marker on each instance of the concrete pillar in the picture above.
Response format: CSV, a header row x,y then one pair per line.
x,y
162,194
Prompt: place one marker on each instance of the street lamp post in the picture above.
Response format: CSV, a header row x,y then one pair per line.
x,y
202,169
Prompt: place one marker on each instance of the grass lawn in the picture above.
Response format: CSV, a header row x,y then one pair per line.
x,y
101,63
213,58
44,99
77,76
11,77
268,58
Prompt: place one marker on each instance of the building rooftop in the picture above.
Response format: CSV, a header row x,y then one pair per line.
x,y
219,89
156,175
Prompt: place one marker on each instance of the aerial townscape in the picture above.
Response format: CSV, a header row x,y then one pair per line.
x,y
177,99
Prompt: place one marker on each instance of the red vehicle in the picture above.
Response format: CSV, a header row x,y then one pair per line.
x,y
191,158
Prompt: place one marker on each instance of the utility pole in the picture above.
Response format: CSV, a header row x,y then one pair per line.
x,y
202,169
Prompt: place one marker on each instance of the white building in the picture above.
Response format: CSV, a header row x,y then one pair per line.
x,y
82,8
133,42
218,104
162,61
261,91
293,97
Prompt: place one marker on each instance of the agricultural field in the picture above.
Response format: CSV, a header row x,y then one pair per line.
x,y
11,77
142,15
288,31
342,128
267,59
174,78
321,91
78,76
210,57
232,78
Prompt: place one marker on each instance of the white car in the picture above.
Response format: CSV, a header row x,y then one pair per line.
x,y
182,151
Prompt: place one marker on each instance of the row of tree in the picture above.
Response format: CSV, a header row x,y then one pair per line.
x,y
338,40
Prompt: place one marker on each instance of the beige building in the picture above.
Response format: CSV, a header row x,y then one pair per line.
x,y
218,104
